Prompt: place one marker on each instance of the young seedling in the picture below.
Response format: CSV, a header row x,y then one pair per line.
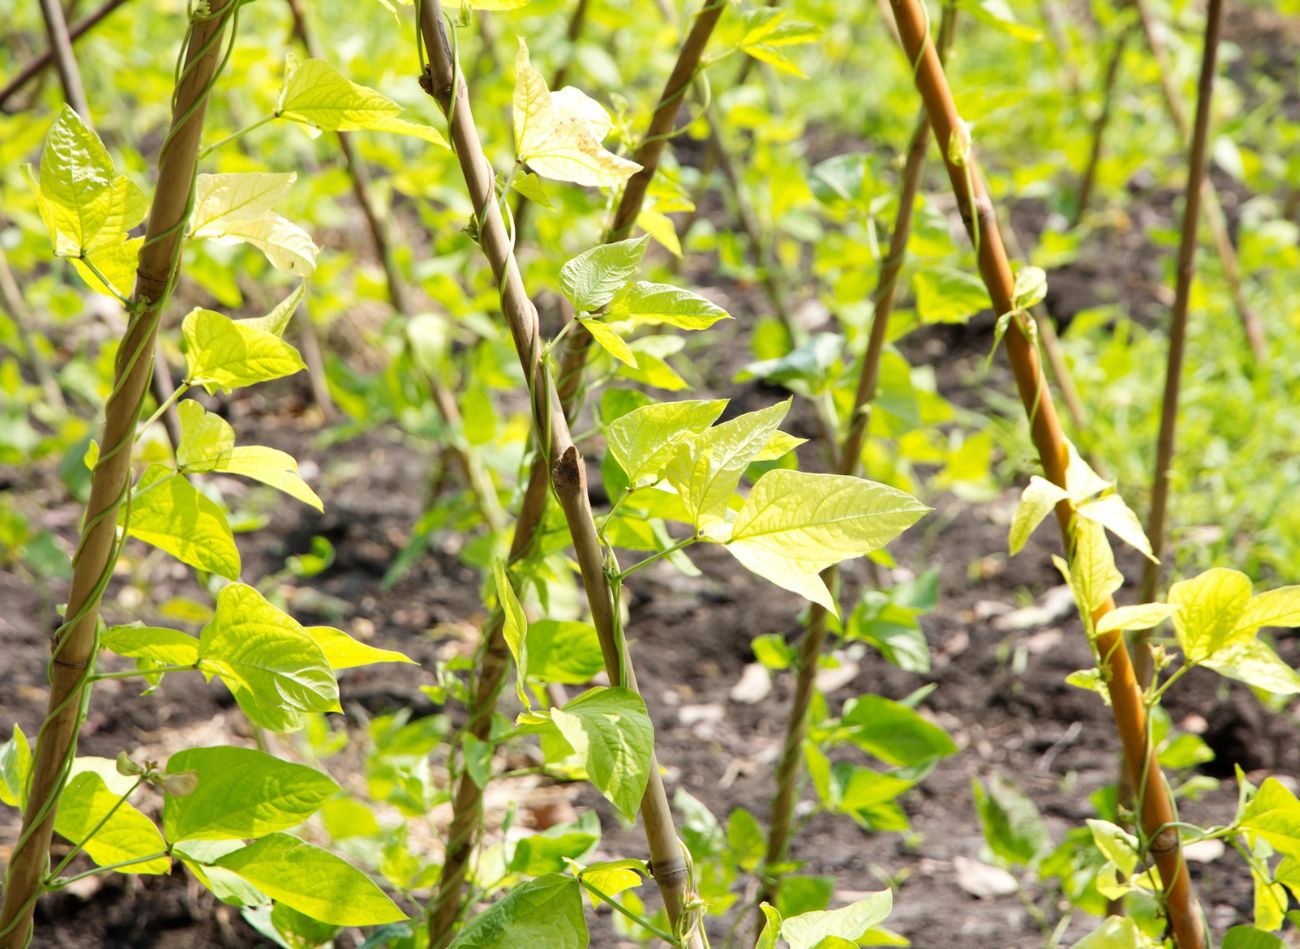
x,y
953,137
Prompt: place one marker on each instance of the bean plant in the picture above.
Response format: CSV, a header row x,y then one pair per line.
x,y
525,305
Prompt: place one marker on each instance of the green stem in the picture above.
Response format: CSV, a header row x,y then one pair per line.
x,y
167,404
659,555
635,917
234,135
1178,673
140,673
90,265
107,868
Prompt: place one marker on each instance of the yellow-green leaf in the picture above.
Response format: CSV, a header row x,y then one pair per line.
x,y
316,94
1040,497
278,318
125,833
1255,663
1113,514
1211,605
1142,616
223,354
559,135
235,208
610,341
169,513
643,440
795,524
515,629
1093,576
661,303
1280,607
74,189
343,652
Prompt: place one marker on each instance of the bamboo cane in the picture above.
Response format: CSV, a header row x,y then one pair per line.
x,y
849,459
1158,816
1186,272
567,469
467,804
1214,216
74,645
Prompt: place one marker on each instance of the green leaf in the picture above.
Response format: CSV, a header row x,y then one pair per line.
x,y
546,912
549,851
15,769
155,643
894,733
610,341
771,927
1038,500
1248,937
948,296
316,95
1112,513
1255,663
795,524
343,652
808,362
313,881
277,320
1142,616
1210,605
74,190
1280,607
563,651
997,14
208,444
611,733
241,793
767,33
591,279
169,513
531,187
706,468
850,923
1080,480
274,668
1093,576
1030,287
1013,828
661,303
125,835
559,134
224,354
235,208
643,440
1118,846
1117,932
515,629
1274,815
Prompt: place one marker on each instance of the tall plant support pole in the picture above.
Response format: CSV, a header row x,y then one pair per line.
x,y
74,94
1186,272
1214,216
467,803
75,642
43,61
780,829
567,471
577,22
1089,177
1158,816
471,466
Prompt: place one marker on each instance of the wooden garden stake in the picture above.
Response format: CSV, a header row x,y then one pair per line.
x,y
1089,178
952,135
1186,272
74,644
1214,216
848,458
567,473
